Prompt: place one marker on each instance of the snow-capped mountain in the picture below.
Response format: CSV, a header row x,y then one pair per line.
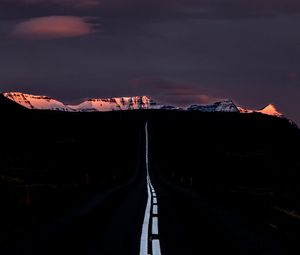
x,y
91,105
268,110
222,106
126,103
36,102
114,104
229,106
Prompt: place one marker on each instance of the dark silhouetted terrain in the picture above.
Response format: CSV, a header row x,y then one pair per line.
x,y
226,182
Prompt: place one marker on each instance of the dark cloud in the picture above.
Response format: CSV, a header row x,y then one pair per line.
x,y
172,92
54,3
293,76
155,10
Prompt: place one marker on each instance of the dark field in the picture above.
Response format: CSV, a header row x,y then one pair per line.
x,y
53,162
249,164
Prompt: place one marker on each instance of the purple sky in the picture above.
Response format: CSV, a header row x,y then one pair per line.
x,y
177,51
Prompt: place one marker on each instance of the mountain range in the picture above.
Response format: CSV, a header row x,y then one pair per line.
x,y
125,103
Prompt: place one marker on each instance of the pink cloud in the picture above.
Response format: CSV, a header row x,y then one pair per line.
x,y
52,27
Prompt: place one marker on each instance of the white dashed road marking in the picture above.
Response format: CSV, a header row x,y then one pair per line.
x,y
156,247
154,225
154,210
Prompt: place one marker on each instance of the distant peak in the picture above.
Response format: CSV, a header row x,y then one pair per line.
x,y
270,109
226,105
36,101
20,94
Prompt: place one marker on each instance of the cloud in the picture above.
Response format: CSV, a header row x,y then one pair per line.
x,y
149,11
53,27
199,9
292,76
172,92
64,3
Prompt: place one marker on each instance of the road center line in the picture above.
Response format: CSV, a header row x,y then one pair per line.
x,y
156,247
144,245
154,226
145,229
155,210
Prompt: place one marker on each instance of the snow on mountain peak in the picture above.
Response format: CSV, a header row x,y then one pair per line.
x,y
36,102
226,105
127,103
114,104
102,105
270,110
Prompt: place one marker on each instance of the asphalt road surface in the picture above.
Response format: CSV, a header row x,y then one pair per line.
x,y
149,215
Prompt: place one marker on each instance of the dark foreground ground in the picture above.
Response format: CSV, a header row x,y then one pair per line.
x,y
77,182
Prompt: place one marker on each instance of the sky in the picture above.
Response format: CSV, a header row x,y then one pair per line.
x,y
176,51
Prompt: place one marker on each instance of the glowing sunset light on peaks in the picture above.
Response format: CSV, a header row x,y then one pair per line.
x,y
270,110
39,102
36,102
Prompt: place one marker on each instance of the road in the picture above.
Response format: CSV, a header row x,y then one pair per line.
x,y
149,215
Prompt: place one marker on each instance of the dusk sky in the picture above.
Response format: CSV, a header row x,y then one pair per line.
x,y
177,51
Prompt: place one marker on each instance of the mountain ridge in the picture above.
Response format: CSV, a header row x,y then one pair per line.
x,y
114,104
39,102
269,109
